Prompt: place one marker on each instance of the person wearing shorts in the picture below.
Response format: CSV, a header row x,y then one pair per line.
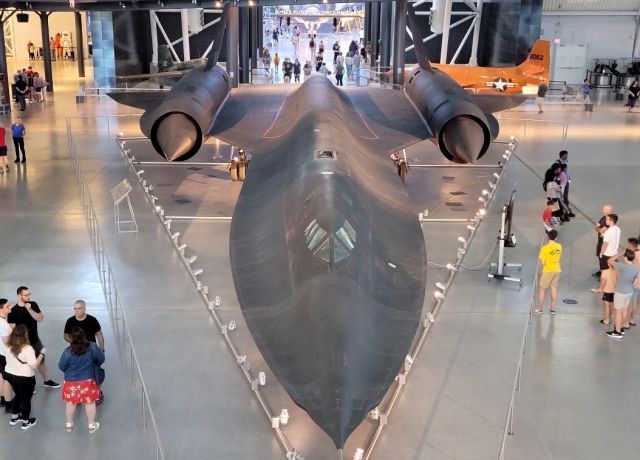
x,y
4,166
609,278
550,255
632,244
627,281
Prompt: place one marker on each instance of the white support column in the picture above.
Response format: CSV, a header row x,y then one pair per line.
x,y
154,38
445,32
473,60
184,20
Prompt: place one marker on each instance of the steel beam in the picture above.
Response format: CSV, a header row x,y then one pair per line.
x,y
184,23
445,32
473,60
79,44
400,29
385,33
233,36
44,29
244,45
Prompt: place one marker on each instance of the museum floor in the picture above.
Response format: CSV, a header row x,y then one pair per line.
x,y
578,391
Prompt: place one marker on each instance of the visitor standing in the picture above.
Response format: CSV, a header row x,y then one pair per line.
x,y
4,167
627,281
28,313
21,91
78,362
542,92
18,131
5,332
22,361
550,255
610,243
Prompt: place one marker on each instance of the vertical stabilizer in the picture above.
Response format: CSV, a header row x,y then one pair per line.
x,y
217,38
538,61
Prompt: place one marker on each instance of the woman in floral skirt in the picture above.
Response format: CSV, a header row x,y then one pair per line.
x,y
78,362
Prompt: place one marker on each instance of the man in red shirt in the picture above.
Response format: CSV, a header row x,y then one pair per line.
x,y
3,151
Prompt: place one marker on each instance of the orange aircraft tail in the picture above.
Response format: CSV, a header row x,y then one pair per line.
x,y
538,61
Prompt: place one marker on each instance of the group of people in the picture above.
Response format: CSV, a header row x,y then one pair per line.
x,y
28,85
348,65
18,131
619,281
22,354
618,274
556,186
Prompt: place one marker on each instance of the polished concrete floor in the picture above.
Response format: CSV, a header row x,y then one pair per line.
x,y
578,388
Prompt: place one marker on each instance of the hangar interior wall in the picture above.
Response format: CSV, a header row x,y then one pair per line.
x,y
605,36
58,22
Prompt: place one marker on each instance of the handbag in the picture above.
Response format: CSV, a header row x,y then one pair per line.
x,y
98,374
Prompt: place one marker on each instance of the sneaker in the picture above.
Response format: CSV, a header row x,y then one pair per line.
x,y
537,311
15,421
596,290
23,160
93,427
553,312
17,160
26,424
69,426
51,384
615,334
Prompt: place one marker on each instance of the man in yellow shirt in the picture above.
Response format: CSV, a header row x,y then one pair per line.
x,y
549,257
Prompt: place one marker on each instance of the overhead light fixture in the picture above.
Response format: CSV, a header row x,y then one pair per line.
x,y
140,173
482,212
471,228
241,359
512,138
485,192
217,301
182,247
482,200
491,185
232,325
359,455
462,240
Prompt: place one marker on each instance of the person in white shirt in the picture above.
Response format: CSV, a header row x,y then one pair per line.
x,y
5,331
21,371
610,243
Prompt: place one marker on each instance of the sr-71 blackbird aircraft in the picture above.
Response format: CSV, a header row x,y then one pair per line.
x,y
328,259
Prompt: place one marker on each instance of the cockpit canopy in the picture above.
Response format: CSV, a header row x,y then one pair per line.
x,y
332,248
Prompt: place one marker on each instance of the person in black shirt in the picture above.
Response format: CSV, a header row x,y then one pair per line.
x,y
21,92
28,313
87,323
600,228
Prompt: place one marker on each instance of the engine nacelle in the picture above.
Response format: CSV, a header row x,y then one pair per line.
x,y
179,125
461,129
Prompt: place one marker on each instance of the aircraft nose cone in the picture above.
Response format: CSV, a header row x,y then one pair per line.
x,y
176,136
464,139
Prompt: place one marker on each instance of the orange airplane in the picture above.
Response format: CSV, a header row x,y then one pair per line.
x,y
533,71
523,78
